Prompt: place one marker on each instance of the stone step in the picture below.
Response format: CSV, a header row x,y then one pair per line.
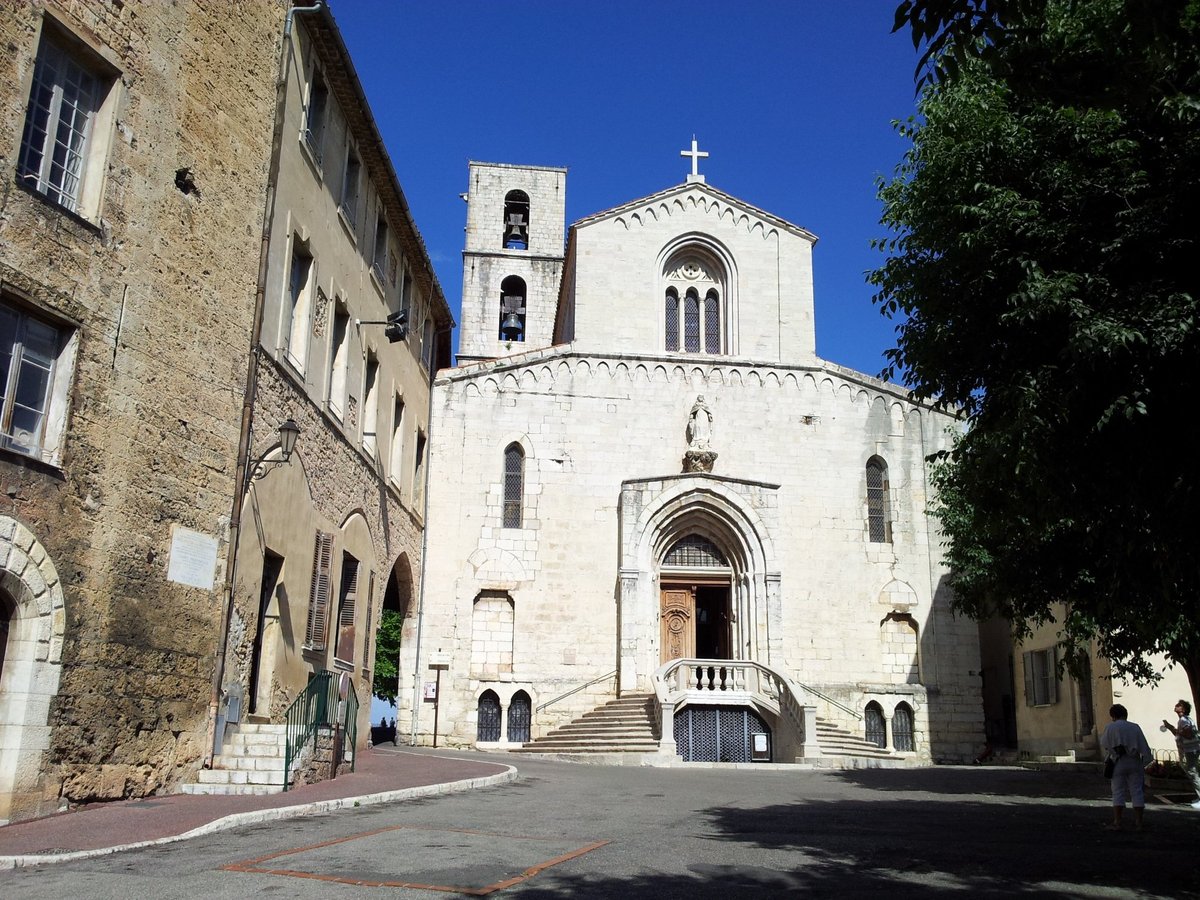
x,y
253,728
248,763
253,789
239,750
590,747
269,738
240,776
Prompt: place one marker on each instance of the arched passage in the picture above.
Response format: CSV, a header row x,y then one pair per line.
x,y
395,620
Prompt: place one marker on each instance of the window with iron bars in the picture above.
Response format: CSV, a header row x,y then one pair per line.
x,y
695,551
878,527
514,485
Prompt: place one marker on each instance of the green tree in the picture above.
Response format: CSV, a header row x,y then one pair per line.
x,y
386,679
1043,269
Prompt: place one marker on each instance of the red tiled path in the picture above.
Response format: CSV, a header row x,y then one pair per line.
x,y
134,821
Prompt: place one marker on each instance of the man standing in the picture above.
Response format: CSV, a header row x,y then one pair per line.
x,y
1124,742
1188,743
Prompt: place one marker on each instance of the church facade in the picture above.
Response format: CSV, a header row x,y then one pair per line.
x,y
644,482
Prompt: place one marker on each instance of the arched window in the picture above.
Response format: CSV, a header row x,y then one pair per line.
x,y
512,309
520,714
879,528
516,220
671,319
691,322
712,323
514,484
489,717
695,551
902,728
876,731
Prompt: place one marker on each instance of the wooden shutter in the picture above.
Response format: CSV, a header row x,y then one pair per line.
x,y
1052,675
1027,661
370,629
344,651
318,597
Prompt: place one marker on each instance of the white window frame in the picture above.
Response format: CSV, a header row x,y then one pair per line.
x,y
297,307
370,416
46,441
339,360
351,187
316,119
396,468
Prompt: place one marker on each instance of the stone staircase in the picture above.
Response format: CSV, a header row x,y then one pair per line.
x,y
854,751
619,726
250,762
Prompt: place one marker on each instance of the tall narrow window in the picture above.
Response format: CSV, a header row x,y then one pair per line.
x,y
691,322
520,715
347,599
419,471
672,319
59,122
315,115
876,725
406,284
350,180
902,728
298,304
488,727
879,528
379,254
1041,677
318,596
516,220
512,309
514,484
427,343
712,323
30,351
370,437
339,361
397,466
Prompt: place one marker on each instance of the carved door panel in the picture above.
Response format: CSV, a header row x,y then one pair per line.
x,y
678,617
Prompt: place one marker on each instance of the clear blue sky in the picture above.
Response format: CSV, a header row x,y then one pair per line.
x,y
794,100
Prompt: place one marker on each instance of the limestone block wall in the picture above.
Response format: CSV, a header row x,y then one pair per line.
x,y
590,422
156,285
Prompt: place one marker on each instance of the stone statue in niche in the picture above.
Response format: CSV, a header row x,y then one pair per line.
x,y
699,457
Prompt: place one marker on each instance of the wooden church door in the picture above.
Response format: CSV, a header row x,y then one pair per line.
x,y
678,617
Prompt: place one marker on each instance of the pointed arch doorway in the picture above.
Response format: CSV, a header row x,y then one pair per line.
x,y
696,610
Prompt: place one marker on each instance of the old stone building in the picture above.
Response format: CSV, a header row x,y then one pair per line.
x,y
645,484
133,173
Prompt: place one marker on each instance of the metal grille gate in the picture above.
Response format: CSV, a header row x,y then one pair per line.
x,y
716,733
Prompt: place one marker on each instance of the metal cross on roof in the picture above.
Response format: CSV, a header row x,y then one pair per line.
x,y
696,154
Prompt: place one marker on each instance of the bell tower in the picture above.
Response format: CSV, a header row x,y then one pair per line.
x,y
512,259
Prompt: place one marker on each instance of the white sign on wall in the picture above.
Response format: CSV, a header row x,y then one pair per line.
x,y
193,558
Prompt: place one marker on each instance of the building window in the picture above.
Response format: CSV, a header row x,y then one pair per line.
x,y
876,726
380,251
35,364
318,596
520,715
347,599
695,552
370,435
419,470
350,182
692,317
514,485
427,343
879,526
712,323
406,284
61,155
672,319
397,466
512,309
316,114
339,365
516,220
1041,678
902,728
298,305
489,717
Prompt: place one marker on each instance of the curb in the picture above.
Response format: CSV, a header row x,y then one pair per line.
x,y
235,820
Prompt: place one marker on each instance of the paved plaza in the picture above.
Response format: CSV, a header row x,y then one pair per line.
x,y
565,830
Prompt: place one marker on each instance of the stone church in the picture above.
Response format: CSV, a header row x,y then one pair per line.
x,y
647,492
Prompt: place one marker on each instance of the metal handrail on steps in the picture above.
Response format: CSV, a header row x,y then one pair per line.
x,y
317,707
575,690
842,706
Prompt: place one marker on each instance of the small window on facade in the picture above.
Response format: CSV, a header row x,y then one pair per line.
x,y
339,360
347,600
876,726
419,470
520,715
370,435
298,304
512,309
1041,678
397,466
902,728
315,115
34,371
489,717
691,322
350,182
516,220
380,251
514,485
56,157
712,323
318,597
695,551
879,527
672,319
406,284
427,337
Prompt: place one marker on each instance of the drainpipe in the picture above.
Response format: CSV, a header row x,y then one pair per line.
x,y
243,455
416,694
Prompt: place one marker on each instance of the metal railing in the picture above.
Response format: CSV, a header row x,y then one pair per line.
x,y
577,689
315,708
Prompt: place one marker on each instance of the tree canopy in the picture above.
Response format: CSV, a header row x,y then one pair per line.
x,y
385,681
1043,270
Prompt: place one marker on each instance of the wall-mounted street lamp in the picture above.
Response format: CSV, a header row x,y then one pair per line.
x,y
289,431
395,326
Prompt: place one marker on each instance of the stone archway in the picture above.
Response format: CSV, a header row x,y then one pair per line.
x,y
32,667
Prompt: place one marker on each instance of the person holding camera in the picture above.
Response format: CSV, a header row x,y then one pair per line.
x,y
1188,743
1125,744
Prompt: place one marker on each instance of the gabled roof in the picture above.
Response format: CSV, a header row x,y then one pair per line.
x,y
699,187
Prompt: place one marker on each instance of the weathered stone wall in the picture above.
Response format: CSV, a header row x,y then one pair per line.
x,y
161,285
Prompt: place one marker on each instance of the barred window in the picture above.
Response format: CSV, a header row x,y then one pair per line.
x,y
672,319
520,715
691,322
712,323
695,551
902,728
488,723
514,484
876,726
878,526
